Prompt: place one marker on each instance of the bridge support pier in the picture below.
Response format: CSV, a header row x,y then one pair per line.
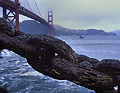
x,y
4,12
17,14
12,15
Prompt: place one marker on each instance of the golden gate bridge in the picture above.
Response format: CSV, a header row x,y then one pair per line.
x,y
15,8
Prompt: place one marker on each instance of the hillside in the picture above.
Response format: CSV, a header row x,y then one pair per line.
x,y
33,27
65,31
117,32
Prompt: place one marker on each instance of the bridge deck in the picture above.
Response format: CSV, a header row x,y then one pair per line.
x,y
12,6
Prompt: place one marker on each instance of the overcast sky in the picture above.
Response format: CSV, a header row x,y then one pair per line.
x,y
81,14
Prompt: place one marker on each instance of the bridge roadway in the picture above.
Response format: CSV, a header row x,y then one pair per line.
x,y
10,5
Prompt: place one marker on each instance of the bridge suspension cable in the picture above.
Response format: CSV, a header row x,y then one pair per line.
x,y
24,3
29,5
38,8
45,17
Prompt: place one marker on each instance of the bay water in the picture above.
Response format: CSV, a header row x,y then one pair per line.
x,y
19,77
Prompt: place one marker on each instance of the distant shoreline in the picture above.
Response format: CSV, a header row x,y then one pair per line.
x,y
33,27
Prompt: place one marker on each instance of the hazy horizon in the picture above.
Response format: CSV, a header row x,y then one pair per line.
x,y
80,14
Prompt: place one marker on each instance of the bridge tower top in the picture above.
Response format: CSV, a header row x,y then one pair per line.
x,y
50,21
50,18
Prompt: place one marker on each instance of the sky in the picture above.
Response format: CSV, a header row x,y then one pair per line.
x,y
80,14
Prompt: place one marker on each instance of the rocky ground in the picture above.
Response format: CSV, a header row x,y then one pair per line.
x,y
53,57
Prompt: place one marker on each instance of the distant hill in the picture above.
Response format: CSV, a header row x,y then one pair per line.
x,y
33,27
117,32
65,31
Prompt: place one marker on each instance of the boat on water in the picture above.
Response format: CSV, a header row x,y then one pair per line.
x,y
82,37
